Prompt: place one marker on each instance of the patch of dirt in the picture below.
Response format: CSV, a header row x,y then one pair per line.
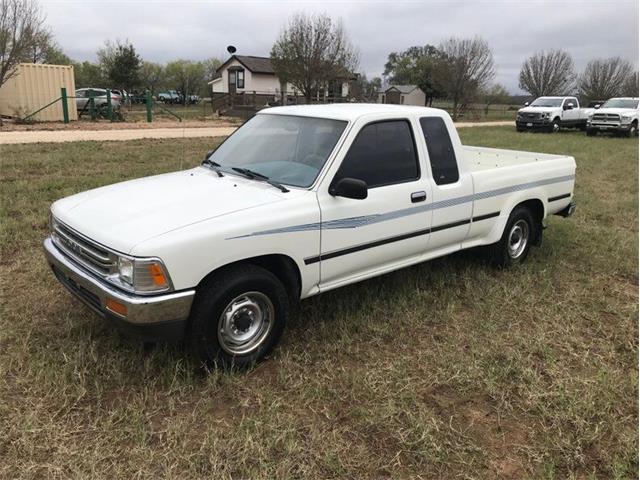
x,y
477,416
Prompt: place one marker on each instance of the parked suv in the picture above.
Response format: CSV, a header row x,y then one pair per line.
x,y
99,98
551,114
617,115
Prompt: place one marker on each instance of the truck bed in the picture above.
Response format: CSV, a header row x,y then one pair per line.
x,y
480,158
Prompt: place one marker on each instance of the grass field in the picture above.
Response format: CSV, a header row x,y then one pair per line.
x,y
449,369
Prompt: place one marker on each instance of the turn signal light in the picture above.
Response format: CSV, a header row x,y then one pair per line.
x,y
116,307
157,275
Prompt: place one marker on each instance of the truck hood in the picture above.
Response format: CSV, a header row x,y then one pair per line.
x,y
123,215
619,111
537,109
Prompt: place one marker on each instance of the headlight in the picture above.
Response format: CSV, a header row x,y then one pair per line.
x,y
625,118
141,275
545,115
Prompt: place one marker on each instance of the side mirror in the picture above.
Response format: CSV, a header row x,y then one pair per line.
x,y
597,106
350,188
568,106
526,104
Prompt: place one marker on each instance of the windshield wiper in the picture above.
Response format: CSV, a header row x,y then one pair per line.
x,y
215,166
258,176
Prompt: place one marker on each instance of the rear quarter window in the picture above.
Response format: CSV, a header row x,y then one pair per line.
x,y
442,157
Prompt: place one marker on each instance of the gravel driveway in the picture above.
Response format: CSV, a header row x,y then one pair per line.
x,y
45,136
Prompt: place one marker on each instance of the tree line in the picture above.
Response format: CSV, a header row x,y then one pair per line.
x,y
314,50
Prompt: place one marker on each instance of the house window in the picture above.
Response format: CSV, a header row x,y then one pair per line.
x,y
240,79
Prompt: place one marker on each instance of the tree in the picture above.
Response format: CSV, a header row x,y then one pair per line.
x,y
152,76
467,68
120,64
187,76
604,78
547,73
421,66
211,66
630,87
366,90
21,28
88,74
496,93
311,51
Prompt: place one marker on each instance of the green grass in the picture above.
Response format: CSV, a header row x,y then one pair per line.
x,y
449,369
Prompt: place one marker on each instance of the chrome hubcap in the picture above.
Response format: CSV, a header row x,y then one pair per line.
x,y
245,323
518,238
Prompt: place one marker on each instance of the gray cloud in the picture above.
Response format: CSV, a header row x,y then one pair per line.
x,y
163,31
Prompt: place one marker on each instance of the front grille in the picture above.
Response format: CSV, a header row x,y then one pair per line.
x,y
83,251
88,297
606,117
530,115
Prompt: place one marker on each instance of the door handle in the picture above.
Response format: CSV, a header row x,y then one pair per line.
x,y
418,197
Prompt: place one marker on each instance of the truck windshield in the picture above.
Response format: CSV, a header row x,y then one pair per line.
x,y
620,103
288,149
546,102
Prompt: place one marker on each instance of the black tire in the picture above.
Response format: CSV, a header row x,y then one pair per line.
x,y
633,130
520,129
229,290
555,126
502,254
592,132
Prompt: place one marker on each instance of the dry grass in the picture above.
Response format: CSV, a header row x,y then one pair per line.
x,y
446,370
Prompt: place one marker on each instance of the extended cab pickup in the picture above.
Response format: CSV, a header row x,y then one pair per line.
x,y
616,115
551,114
298,201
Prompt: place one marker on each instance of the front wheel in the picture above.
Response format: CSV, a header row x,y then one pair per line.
x,y
555,126
633,130
513,247
238,317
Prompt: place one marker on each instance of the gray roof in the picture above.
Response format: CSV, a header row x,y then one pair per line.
x,y
253,64
403,88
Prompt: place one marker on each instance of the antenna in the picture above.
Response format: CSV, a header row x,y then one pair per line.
x,y
231,49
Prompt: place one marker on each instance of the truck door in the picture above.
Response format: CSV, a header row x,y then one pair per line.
x,y
570,111
390,226
451,186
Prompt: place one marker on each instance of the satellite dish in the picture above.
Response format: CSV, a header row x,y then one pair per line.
x,y
231,49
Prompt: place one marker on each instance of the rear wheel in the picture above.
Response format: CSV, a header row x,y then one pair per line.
x,y
516,239
238,317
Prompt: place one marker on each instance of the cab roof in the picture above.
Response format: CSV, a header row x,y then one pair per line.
x,y
352,111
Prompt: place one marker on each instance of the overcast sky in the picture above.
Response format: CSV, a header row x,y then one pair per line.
x,y
162,31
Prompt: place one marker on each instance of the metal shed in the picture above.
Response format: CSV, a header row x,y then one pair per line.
x,y
34,86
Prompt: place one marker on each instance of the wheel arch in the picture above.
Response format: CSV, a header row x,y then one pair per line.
x,y
280,265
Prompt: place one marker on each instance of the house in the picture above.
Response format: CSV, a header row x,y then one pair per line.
x,y
255,75
403,95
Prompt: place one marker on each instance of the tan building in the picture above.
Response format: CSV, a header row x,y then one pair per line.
x,y
403,95
35,85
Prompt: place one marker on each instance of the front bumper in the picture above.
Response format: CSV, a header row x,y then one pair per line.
x,y
533,123
609,127
158,317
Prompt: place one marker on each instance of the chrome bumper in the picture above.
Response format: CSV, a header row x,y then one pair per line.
x,y
141,310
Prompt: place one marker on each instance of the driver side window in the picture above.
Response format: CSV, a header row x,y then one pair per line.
x,y
382,154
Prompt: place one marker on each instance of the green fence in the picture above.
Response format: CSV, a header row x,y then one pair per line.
x,y
107,110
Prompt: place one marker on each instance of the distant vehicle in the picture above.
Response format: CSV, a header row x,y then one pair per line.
x,y
616,115
551,114
125,98
170,96
193,99
100,100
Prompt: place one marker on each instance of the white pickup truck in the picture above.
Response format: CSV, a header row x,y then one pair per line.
x,y
298,201
551,114
616,115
